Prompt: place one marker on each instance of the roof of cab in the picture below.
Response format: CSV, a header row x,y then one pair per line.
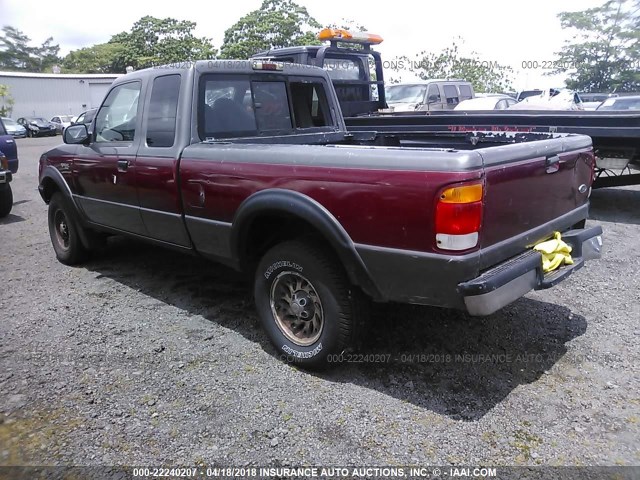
x,y
224,66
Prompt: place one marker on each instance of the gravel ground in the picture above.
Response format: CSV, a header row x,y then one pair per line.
x,y
147,357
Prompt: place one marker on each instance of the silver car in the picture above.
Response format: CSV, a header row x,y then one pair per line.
x,y
13,128
61,122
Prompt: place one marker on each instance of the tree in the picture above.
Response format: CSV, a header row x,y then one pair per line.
x,y
154,41
604,53
278,23
485,76
17,54
100,58
6,101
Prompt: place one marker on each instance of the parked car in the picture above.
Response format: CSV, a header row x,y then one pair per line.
x,y
527,93
85,118
428,95
621,103
551,99
320,218
493,102
61,122
13,128
8,148
38,127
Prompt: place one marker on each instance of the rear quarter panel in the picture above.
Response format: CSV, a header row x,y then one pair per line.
x,y
381,196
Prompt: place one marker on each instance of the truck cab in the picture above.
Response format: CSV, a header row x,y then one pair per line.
x,y
354,67
428,95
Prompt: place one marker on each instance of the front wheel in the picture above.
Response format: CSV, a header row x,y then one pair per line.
x,y
6,200
306,304
64,232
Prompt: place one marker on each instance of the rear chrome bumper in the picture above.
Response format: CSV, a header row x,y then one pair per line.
x,y
505,283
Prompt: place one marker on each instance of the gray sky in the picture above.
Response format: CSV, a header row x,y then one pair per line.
x,y
507,31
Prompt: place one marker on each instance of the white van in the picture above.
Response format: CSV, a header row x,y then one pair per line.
x,y
428,95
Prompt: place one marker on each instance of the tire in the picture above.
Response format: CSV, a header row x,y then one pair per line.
x,y
64,232
6,201
308,308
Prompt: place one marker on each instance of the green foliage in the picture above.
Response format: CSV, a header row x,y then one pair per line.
x,y
6,101
154,41
485,76
17,54
100,58
604,53
278,23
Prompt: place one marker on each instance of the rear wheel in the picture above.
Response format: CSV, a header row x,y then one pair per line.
x,y
306,304
64,232
6,200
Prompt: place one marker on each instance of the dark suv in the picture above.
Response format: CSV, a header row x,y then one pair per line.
x,y
9,148
6,196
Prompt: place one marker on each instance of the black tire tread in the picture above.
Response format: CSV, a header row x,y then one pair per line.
x,y
351,302
77,252
6,201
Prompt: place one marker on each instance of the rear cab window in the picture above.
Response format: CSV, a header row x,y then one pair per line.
x,y
254,105
465,92
451,94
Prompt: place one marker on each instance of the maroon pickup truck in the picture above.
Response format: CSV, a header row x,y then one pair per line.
x,y
249,163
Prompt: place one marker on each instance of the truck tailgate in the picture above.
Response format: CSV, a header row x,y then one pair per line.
x,y
534,187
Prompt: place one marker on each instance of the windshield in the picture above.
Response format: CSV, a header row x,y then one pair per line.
x,y
38,120
406,93
65,118
620,104
9,121
529,93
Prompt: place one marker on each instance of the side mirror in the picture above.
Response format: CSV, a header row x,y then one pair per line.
x,y
76,134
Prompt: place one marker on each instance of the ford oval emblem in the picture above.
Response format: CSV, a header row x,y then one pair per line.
x,y
582,188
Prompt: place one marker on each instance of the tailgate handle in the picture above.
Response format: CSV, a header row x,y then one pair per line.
x,y
552,164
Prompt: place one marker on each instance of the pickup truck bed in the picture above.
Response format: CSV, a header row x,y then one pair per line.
x,y
614,134
250,164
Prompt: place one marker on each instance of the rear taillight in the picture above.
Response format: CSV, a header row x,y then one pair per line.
x,y
4,162
458,217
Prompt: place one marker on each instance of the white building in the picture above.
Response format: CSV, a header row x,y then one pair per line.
x,y
49,94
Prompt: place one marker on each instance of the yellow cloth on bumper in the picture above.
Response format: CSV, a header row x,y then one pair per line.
x,y
554,253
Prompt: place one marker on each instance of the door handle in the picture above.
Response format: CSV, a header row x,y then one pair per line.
x,y
123,165
552,164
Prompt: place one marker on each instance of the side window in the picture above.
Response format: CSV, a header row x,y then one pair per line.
x,y
272,107
465,92
451,94
116,119
501,105
80,119
310,106
224,108
163,107
433,94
